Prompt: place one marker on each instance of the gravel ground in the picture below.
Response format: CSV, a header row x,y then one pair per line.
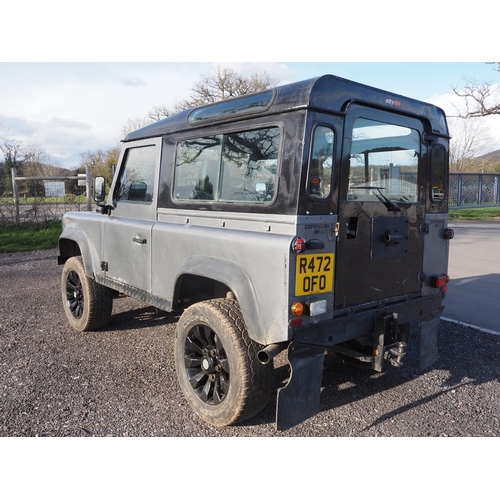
x,y
121,381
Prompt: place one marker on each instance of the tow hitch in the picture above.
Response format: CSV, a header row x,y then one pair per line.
x,y
395,354
386,345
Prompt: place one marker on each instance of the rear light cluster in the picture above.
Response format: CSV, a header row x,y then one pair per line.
x,y
309,308
440,281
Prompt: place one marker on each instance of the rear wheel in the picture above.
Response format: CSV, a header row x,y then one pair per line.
x,y
217,364
87,304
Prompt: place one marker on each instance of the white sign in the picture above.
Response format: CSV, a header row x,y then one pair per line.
x,y
53,188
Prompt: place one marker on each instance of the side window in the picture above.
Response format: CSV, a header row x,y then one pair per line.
x,y
249,165
319,179
197,168
235,167
438,174
136,182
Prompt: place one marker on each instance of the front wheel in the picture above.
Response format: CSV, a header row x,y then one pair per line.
x,y
87,304
217,364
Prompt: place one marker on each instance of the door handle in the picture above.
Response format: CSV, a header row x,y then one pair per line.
x,y
142,241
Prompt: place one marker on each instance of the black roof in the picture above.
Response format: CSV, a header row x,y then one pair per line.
x,y
326,93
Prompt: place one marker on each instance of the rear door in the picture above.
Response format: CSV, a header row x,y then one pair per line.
x,y
381,207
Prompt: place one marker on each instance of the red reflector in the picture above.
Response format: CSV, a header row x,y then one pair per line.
x,y
440,281
295,323
298,244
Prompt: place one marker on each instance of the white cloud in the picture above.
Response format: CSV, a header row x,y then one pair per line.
x,y
69,108
133,82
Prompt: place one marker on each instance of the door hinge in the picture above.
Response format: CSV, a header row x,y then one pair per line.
x,y
337,230
104,266
424,228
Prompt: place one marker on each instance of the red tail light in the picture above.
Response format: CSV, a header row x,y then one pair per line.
x,y
448,234
440,281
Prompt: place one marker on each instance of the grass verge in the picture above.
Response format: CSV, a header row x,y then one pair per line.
x,y
486,213
29,236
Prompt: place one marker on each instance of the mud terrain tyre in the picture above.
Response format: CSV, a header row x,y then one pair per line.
x,y
217,364
87,304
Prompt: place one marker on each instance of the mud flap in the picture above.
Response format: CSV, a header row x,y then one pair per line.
x,y
428,342
299,399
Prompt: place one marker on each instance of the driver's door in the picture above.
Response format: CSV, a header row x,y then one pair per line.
x,y
128,229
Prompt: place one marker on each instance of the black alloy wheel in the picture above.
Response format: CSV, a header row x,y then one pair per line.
x,y
207,366
74,295
217,364
87,304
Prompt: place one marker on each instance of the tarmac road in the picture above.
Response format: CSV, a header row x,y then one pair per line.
x,y
474,290
121,381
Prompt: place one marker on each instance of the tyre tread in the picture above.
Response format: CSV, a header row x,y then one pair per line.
x,y
98,299
255,378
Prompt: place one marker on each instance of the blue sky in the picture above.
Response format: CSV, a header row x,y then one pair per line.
x,y
69,108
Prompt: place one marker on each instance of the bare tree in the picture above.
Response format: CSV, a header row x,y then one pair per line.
x,y
224,83
479,98
36,158
101,162
136,124
469,139
13,152
219,84
160,111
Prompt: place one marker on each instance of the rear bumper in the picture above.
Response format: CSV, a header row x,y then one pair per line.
x,y
299,399
353,323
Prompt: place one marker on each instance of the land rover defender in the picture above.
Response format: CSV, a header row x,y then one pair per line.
x,y
308,217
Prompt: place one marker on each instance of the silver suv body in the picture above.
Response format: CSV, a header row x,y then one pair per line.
x,y
312,216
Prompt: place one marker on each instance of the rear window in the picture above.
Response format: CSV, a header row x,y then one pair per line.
x,y
239,167
383,157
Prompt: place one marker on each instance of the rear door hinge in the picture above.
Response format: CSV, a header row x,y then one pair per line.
x,y
336,230
104,266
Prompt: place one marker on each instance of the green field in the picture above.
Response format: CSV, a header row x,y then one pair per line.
x,y
40,236
486,213
50,200
29,236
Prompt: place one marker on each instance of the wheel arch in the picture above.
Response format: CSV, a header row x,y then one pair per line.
x,y
235,279
75,242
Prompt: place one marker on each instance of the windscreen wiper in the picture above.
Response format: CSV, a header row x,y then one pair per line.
x,y
391,206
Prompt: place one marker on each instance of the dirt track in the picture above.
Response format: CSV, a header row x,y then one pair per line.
x,y
121,381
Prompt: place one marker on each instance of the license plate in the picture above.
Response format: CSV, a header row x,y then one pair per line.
x,y
314,274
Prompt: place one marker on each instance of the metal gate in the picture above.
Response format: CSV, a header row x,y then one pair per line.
x,y
474,190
